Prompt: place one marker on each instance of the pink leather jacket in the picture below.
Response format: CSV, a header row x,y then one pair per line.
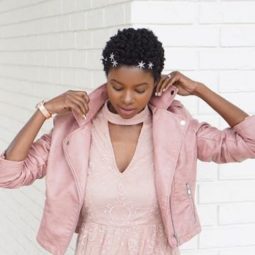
x,y
179,140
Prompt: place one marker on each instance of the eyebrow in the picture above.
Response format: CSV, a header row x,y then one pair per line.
x,y
143,83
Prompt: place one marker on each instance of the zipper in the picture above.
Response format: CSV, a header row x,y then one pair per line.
x,y
189,192
175,234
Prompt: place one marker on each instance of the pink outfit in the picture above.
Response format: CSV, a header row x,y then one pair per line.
x,y
120,211
178,139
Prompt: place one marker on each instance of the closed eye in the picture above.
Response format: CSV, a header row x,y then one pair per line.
x,y
140,91
118,89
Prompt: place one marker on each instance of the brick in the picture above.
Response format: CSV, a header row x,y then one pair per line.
x,y
227,236
115,14
67,41
64,23
78,21
238,251
233,171
186,35
98,78
199,252
226,191
170,12
208,215
64,58
227,12
181,59
207,171
78,58
238,213
83,79
245,100
210,12
238,12
98,3
69,6
83,5
237,36
83,40
227,58
236,81
95,18
99,38
94,59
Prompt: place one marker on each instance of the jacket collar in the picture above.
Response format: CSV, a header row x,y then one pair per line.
x,y
99,95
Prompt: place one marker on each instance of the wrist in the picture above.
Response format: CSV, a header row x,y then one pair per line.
x,y
44,110
199,89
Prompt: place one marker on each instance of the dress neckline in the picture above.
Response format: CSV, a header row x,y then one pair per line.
x,y
117,119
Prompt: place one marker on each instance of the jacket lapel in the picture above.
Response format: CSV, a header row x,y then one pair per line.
x,y
167,139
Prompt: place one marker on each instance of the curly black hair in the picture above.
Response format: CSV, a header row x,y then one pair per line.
x,y
131,46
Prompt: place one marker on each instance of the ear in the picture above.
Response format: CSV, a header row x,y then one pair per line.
x,y
156,82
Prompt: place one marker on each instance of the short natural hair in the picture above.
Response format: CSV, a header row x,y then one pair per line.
x,y
130,46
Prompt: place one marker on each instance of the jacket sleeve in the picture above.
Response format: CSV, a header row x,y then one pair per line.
x,y
228,145
14,174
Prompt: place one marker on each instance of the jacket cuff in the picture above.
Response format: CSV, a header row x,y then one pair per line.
x,y
8,166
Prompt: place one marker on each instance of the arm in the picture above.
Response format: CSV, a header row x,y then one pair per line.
x,y
232,144
24,161
228,111
19,147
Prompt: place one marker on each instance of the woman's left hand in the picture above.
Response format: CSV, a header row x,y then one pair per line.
x,y
185,85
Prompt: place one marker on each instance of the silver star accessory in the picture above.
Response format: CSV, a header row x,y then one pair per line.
x,y
114,63
141,64
150,65
112,56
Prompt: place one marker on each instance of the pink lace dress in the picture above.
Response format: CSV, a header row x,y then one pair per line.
x,y
121,214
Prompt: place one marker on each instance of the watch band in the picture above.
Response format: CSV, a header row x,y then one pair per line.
x,y
43,110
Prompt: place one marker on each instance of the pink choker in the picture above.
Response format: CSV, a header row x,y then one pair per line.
x,y
117,119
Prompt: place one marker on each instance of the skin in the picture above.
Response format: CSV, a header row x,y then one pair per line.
x,y
129,76
127,87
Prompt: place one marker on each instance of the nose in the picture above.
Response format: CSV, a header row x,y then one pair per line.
x,y
128,97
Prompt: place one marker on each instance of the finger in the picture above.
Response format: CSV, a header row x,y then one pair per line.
x,y
83,94
84,103
75,104
81,104
174,79
165,84
75,107
157,89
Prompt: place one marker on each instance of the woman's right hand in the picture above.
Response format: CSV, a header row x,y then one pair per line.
x,y
68,101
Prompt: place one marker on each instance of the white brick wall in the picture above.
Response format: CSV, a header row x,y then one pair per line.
x,y
47,47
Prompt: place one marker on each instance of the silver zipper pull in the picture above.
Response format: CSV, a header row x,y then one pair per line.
x,y
188,189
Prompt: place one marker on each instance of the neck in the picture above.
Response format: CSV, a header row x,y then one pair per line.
x,y
112,116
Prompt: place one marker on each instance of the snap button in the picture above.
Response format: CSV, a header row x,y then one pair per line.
x,y
182,122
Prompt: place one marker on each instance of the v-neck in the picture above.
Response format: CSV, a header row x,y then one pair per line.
x,y
115,166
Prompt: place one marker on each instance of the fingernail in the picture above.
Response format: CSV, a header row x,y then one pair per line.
x,y
84,116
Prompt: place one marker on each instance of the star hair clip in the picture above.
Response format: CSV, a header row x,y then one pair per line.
x,y
141,64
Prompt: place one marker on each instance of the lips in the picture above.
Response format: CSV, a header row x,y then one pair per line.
x,y
126,111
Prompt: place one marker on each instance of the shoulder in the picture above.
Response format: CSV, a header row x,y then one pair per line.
x,y
179,110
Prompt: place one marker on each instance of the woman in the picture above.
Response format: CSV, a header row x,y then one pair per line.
x,y
120,164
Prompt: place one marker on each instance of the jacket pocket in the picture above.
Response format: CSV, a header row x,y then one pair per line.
x,y
190,195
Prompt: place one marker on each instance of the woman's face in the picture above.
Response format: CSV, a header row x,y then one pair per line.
x,y
129,90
